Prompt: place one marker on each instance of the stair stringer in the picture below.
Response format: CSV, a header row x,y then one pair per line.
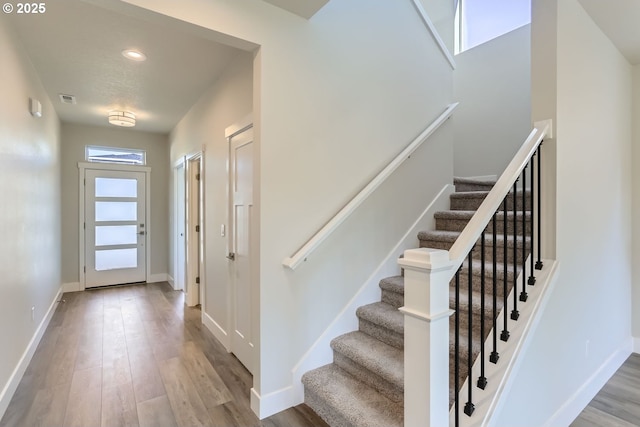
x,y
488,402
321,353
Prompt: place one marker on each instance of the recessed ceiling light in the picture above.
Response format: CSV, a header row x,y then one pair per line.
x,y
134,55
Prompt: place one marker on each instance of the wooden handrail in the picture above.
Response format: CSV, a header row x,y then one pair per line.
x,y
471,233
301,255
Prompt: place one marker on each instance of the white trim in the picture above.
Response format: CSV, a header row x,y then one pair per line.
x,y
82,167
16,376
272,403
314,242
434,32
320,352
218,332
172,282
242,125
636,345
157,278
570,410
71,287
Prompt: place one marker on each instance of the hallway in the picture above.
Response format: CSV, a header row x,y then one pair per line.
x,y
135,356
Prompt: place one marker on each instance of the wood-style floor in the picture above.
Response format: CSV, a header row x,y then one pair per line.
x,y
136,356
618,403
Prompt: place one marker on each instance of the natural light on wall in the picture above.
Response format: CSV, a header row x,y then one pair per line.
x,y
478,21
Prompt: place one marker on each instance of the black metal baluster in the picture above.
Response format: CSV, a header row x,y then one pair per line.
x,y
494,354
539,262
482,381
456,363
532,277
515,314
523,294
504,336
469,407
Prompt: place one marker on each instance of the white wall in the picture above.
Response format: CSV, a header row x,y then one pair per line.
x,y
636,206
226,102
336,97
74,139
30,208
492,82
591,301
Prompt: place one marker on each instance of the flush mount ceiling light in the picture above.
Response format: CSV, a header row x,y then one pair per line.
x,y
134,55
122,118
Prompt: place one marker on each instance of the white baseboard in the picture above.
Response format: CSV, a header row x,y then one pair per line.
x,y
172,282
320,352
581,398
71,287
16,376
217,331
636,345
156,278
272,403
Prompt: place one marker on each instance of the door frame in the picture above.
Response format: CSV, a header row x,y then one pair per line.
x,y
82,167
181,163
191,272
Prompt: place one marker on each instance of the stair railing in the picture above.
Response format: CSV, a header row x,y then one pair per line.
x,y
316,240
429,272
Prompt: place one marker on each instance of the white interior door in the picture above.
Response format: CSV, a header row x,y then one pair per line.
x,y
241,182
181,204
115,232
193,233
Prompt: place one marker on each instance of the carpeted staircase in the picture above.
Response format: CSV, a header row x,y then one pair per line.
x,y
364,386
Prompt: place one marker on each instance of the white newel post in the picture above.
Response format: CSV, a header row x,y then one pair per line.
x,y
427,273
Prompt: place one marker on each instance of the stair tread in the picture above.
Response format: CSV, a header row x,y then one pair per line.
x,y
452,236
393,284
480,194
384,315
462,180
353,400
380,358
468,214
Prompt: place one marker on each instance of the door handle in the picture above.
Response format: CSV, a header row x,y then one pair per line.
x,y
141,233
231,256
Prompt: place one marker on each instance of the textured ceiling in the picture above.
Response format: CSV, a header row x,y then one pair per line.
x,y
620,21
76,49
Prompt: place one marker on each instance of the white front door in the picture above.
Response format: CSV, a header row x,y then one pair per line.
x,y
241,182
115,229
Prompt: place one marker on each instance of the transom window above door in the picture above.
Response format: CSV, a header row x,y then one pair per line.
x,y
122,156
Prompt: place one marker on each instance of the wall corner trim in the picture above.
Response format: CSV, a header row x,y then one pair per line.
x,y
71,287
217,331
16,376
576,403
156,278
272,403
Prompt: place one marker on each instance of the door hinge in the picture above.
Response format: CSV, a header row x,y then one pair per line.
x,y
85,181
197,228
85,268
84,225
197,280
198,176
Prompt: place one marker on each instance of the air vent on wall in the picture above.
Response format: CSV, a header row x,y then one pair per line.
x,y
67,99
